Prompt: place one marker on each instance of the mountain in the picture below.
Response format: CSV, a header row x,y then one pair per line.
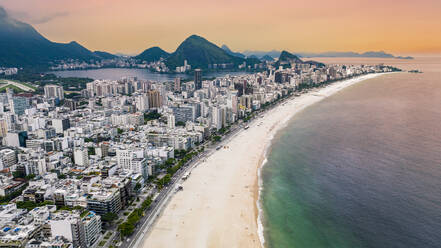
x,y
105,55
289,57
379,54
152,54
267,58
228,50
286,59
252,61
200,53
22,46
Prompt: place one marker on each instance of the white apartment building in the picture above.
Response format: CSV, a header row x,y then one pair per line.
x,y
53,91
132,160
81,157
142,103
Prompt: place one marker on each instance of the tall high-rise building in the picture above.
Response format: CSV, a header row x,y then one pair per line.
x,y
244,87
60,125
232,103
216,117
16,138
177,86
19,104
82,231
154,99
3,127
81,156
105,149
103,202
71,104
171,121
142,103
8,158
126,157
53,91
92,228
198,79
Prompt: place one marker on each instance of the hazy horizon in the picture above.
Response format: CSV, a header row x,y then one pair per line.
x,y
409,28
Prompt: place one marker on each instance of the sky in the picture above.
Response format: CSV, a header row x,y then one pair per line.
x,y
401,27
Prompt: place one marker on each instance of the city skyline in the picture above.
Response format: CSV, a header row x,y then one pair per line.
x,y
406,29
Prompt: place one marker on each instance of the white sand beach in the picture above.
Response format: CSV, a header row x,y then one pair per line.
x,y
218,206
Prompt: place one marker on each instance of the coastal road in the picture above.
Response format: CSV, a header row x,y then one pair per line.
x,y
159,203
166,194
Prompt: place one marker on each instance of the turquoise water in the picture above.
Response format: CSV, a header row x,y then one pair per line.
x,y
361,168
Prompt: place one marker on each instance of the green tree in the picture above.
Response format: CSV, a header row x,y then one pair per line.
x,y
137,186
216,138
29,205
109,217
180,123
18,174
170,162
166,179
146,203
90,150
30,177
126,228
154,115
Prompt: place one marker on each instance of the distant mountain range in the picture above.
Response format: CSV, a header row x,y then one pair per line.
x,y
22,46
228,50
371,54
267,58
261,54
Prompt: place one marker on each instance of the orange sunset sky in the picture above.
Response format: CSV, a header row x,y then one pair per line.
x,y
401,27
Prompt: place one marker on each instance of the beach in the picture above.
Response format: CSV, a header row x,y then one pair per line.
x,y
219,204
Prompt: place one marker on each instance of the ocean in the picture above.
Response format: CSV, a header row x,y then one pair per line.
x,y
361,168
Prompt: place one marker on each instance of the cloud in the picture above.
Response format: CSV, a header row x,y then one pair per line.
x,y
36,18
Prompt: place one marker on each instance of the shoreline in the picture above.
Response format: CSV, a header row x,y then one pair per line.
x,y
259,181
220,205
